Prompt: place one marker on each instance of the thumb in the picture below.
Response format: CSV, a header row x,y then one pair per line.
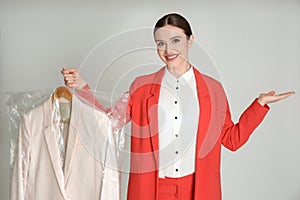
x,y
271,93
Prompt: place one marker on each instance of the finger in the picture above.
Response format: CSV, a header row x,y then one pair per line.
x,y
70,79
68,70
69,75
287,94
65,71
72,70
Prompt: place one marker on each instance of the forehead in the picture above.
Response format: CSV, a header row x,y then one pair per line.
x,y
167,32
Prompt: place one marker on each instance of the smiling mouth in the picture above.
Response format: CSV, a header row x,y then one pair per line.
x,y
171,57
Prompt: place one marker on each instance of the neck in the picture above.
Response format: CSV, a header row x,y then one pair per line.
x,y
178,71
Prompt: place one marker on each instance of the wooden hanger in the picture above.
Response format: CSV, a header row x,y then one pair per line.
x,y
62,92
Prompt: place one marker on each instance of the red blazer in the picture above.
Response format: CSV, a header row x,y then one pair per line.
x,y
215,127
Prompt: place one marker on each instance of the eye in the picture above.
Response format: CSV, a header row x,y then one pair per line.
x,y
176,40
160,44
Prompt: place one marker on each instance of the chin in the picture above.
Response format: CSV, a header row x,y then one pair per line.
x,y
175,64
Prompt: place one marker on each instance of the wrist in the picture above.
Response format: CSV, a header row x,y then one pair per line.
x,y
261,102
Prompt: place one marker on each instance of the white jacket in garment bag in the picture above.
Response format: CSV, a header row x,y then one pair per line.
x,y
37,173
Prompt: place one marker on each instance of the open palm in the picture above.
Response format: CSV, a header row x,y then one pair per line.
x,y
272,97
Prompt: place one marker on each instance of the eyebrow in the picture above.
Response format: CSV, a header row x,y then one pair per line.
x,y
177,36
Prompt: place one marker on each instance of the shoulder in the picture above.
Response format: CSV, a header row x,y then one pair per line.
x,y
32,120
209,81
212,81
35,112
209,84
144,78
147,80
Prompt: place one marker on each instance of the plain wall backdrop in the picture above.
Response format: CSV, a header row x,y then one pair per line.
x,y
254,44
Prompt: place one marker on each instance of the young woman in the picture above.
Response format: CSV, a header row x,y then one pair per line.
x,y
180,118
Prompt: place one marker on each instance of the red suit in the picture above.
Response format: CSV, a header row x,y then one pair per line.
x,y
215,127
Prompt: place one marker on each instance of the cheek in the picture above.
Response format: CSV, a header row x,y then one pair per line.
x,y
184,49
160,54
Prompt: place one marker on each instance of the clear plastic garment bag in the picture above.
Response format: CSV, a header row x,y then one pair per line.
x,y
64,145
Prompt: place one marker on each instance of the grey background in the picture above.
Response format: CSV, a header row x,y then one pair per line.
x,y
255,45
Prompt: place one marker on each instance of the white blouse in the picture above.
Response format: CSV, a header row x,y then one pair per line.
x,y
178,116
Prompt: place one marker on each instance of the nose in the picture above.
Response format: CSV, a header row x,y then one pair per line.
x,y
169,49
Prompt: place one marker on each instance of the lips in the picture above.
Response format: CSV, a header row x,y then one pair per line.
x,y
171,57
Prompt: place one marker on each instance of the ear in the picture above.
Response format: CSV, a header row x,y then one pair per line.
x,y
191,40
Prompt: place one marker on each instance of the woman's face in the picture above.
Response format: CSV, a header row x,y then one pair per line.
x,y
172,46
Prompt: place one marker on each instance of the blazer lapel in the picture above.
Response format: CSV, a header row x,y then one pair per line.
x,y
51,141
152,110
71,148
72,141
205,111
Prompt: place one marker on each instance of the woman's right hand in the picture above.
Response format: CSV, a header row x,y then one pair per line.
x,y
72,78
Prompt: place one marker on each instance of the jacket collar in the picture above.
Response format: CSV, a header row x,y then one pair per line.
x,y
50,132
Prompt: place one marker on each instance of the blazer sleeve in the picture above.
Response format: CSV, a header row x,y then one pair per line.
x,y
22,162
119,112
88,97
235,135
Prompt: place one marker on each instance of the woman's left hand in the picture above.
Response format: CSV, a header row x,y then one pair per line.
x,y
270,97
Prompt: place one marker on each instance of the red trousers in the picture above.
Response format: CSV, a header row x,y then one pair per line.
x,y
176,188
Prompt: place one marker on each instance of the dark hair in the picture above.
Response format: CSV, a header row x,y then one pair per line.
x,y
176,20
